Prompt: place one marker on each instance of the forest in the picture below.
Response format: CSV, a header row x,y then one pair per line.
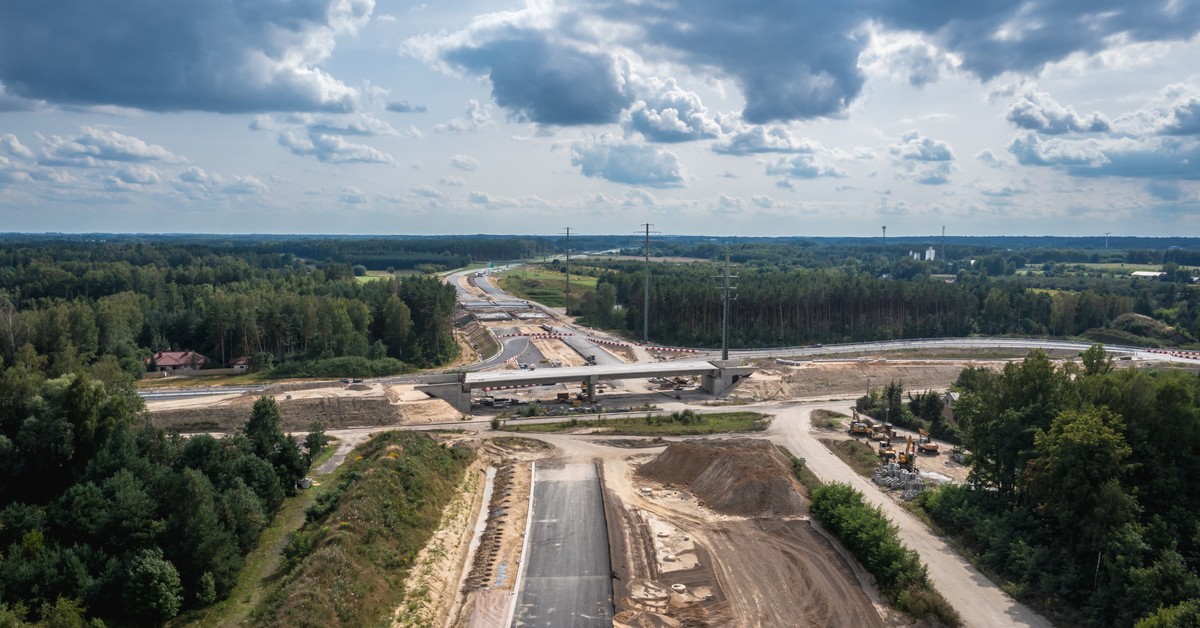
x,y
1083,493
799,306
103,516
82,302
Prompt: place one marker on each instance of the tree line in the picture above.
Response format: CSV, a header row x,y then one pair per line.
x,y
805,306
1083,492
126,301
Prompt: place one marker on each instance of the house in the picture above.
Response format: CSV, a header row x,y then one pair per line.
x,y
171,361
241,364
949,400
1147,274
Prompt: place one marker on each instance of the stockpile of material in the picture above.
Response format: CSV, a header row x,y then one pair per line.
x,y
744,477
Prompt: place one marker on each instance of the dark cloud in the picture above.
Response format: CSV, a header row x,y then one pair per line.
x,y
208,55
1037,111
403,106
544,81
632,164
1169,191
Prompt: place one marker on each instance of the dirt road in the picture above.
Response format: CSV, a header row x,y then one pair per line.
x,y
979,601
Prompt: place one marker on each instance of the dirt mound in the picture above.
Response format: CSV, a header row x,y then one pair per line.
x,y
744,477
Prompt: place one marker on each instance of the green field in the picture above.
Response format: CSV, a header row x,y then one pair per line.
x,y
859,455
677,424
545,286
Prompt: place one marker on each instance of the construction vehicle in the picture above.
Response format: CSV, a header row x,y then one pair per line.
x,y
886,452
564,397
926,445
590,359
860,426
884,432
907,459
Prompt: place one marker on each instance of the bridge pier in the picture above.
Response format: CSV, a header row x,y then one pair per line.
x,y
728,373
591,388
451,388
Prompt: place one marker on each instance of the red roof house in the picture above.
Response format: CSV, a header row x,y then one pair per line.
x,y
168,361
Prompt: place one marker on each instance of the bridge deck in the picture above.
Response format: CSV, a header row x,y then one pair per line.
x,y
550,375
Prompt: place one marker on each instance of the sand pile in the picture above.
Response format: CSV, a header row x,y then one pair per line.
x,y
745,477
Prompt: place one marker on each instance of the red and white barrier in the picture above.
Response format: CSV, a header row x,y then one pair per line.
x,y
508,387
533,335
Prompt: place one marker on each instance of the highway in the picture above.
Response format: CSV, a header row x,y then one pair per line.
x,y
566,581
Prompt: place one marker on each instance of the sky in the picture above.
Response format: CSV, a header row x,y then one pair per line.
x,y
701,117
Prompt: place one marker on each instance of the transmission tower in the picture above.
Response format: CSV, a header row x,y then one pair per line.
x,y
568,297
725,298
646,297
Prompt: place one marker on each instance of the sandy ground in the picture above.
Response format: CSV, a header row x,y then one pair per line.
x,y
852,377
433,584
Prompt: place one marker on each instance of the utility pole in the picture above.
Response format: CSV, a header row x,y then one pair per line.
x,y
725,288
883,240
568,299
1105,240
646,297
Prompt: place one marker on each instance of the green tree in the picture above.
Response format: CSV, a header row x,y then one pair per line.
x,y
153,592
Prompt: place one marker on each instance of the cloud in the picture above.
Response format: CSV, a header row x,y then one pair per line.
x,y
904,56
357,124
403,106
1156,157
536,75
477,116
12,102
141,175
1037,111
464,162
331,148
13,146
991,159
207,55
453,182
668,113
559,63
922,159
1169,191
1176,112
94,146
631,164
246,186
483,198
426,191
803,166
352,195
739,138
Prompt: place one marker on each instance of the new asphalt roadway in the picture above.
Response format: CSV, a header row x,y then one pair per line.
x,y
567,574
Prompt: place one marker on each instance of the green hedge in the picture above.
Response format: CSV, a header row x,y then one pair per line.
x,y
871,538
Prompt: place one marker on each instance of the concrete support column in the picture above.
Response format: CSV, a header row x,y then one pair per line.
x,y
591,388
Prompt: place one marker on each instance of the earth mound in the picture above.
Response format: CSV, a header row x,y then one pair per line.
x,y
745,477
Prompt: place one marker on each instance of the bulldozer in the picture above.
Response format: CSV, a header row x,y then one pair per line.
x,y
925,445
907,459
860,426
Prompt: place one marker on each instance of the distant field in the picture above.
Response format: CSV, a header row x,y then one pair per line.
x,y
1117,266
655,425
545,286
376,275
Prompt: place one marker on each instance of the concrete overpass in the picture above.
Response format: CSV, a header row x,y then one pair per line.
x,y
455,388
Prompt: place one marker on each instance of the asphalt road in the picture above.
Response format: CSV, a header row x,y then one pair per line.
x,y
567,574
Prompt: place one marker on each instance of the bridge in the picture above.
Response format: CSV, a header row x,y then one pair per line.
x,y
455,388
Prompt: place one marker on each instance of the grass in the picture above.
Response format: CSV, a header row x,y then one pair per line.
x,y
347,565
545,286
262,562
799,469
656,425
860,456
828,419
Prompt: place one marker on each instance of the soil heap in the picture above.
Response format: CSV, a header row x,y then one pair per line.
x,y
745,477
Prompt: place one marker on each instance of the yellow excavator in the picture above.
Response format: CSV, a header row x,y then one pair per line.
x,y
884,432
907,459
925,445
860,426
886,452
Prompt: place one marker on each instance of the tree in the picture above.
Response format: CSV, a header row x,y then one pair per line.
x,y
153,592
1096,361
